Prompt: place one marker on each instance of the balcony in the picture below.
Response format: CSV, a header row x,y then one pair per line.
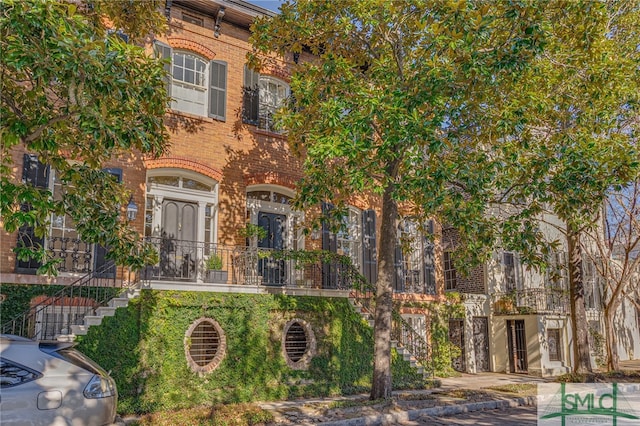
x,y
531,301
187,262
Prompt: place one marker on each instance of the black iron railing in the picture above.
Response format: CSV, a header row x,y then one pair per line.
x,y
52,316
414,342
531,301
190,261
401,331
72,254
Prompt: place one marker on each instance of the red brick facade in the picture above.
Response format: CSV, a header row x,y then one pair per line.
x,y
229,152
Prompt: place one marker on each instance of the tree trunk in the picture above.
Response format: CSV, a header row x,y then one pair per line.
x,y
611,339
581,356
381,384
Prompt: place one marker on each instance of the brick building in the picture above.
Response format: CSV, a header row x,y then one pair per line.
x,y
228,166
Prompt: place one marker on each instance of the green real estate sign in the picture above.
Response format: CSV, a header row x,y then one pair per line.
x,y
588,403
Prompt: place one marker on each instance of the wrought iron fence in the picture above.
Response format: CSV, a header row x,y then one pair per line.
x,y
416,344
190,261
401,331
73,256
531,301
52,316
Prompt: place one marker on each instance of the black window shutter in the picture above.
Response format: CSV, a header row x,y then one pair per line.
x,y
369,257
398,279
217,90
250,96
429,268
329,243
36,174
165,52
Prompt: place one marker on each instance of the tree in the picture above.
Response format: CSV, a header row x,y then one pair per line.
x,y
397,101
77,96
615,254
578,118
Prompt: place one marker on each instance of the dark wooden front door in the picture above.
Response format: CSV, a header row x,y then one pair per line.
x,y
456,336
178,254
517,343
273,271
481,343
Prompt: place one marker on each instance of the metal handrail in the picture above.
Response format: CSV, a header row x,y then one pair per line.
x,y
401,331
54,315
188,261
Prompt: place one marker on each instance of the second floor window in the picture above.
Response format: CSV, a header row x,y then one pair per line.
x,y
512,271
262,96
450,279
196,86
349,237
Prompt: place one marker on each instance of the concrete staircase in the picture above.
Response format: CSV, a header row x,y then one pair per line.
x,y
122,301
402,351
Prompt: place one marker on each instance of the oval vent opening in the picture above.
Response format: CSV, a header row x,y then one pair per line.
x,y
205,345
296,342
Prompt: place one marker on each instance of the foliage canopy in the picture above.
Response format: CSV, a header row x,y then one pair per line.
x,y
77,97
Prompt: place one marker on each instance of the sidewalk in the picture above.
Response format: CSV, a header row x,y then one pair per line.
x,y
448,399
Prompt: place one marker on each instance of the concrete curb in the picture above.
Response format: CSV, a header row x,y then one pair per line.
x,y
445,410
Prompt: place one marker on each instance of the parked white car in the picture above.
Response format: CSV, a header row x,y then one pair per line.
x,y
51,383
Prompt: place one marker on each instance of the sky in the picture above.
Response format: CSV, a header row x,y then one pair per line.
x,y
268,4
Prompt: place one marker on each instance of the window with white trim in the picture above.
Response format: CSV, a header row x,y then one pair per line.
x,y
196,85
512,271
349,237
450,279
414,257
263,95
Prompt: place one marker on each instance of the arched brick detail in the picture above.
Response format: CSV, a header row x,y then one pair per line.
x,y
183,163
272,178
359,203
181,43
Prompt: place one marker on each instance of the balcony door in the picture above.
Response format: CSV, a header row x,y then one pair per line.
x,y
273,271
178,249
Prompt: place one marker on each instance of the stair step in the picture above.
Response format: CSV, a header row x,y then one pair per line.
x,y
90,320
79,330
66,337
131,293
106,311
119,302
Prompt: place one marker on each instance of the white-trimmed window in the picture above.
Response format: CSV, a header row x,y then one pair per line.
x,y
450,278
196,85
189,83
263,95
414,258
349,237
512,271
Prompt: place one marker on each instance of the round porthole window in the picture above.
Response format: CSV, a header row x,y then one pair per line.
x,y
298,344
205,345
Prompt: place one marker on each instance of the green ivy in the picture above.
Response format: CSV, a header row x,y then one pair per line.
x,y
439,314
18,298
143,346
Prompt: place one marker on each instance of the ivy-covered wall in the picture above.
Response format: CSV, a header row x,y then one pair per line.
x,y
143,347
18,298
